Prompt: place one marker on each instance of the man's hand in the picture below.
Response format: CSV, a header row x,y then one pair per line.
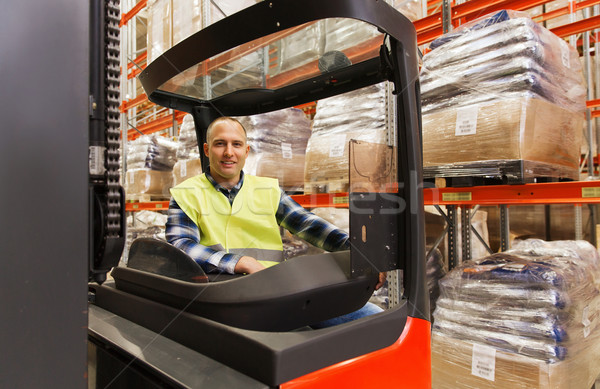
x,y
382,278
248,265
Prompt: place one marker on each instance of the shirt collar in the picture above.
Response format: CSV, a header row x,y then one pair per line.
x,y
221,188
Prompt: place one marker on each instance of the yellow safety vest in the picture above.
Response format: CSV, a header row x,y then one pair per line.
x,y
246,227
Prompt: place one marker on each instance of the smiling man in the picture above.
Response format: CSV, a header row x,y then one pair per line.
x,y
228,222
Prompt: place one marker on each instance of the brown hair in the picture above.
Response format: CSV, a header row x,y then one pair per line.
x,y
223,119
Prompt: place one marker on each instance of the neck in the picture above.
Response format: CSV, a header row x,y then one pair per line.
x,y
227,183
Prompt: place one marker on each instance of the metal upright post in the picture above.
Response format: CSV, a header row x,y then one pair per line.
x,y
446,16
504,228
465,226
452,234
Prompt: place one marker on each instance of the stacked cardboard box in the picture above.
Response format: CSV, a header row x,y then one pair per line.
x,y
502,89
525,318
277,146
360,115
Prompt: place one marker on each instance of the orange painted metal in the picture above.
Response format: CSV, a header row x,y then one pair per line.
x,y
138,60
127,16
577,27
574,192
128,104
156,125
405,364
147,206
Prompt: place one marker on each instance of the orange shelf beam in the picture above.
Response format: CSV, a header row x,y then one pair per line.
x,y
147,206
577,27
127,16
156,125
576,192
126,105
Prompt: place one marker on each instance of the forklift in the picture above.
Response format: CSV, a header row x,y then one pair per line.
x,y
162,322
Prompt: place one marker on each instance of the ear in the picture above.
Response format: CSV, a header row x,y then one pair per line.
x,y
206,149
247,150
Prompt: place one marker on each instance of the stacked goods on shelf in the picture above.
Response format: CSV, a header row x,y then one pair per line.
x,y
305,47
359,115
150,161
188,162
160,18
171,21
144,224
277,143
525,318
502,96
435,269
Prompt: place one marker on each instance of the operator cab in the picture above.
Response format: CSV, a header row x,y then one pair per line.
x,y
237,67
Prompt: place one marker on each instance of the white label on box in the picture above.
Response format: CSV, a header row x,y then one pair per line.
x,y
338,143
286,150
96,160
484,362
466,121
183,170
585,320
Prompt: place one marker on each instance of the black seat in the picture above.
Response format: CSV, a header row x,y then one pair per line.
x,y
158,257
296,293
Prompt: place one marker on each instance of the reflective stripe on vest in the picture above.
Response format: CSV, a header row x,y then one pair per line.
x,y
246,227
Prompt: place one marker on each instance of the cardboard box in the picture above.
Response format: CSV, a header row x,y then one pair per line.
x,y
148,182
454,362
186,168
508,129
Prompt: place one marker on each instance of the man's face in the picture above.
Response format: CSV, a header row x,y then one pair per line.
x,y
227,151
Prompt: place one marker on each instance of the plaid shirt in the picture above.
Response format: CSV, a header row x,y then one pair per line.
x,y
184,234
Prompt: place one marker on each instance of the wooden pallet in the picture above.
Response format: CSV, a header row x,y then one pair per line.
x,y
500,172
145,198
333,186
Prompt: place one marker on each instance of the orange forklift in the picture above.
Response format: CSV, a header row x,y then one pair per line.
x,y
162,322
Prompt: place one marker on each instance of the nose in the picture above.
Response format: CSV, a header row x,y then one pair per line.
x,y
229,150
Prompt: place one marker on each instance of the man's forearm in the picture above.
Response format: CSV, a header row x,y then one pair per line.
x,y
183,233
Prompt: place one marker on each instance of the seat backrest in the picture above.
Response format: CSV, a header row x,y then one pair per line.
x,y
159,257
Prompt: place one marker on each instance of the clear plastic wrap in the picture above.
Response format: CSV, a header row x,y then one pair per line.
x,y
360,115
144,224
502,88
505,52
186,168
539,300
507,129
277,146
187,19
137,150
162,154
145,182
187,141
160,18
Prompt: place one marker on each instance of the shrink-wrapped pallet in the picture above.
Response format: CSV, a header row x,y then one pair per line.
x,y
359,115
187,141
502,89
297,54
277,143
159,33
518,317
187,19
150,161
